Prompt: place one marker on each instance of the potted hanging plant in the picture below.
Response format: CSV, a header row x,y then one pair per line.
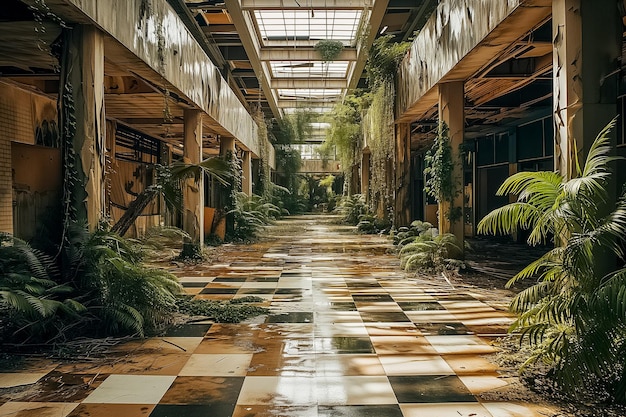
x,y
329,50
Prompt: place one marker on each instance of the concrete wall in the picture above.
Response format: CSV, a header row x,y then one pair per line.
x,y
461,37
153,32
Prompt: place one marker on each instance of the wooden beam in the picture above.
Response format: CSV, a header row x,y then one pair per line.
x,y
302,54
308,4
309,83
376,17
252,45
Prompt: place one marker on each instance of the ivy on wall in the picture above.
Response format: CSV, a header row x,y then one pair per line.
x,y
264,185
440,183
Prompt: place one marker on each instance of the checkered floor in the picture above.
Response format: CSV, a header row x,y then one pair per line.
x,y
350,334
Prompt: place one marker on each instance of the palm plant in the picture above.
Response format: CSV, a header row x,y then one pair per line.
x,y
120,293
251,213
169,185
97,286
575,315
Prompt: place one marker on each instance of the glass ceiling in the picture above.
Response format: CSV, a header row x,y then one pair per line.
x,y
309,69
308,25
289,36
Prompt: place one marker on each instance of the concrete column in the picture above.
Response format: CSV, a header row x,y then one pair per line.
x,y
402,209
246,174
193,192
586,71
451,111
226,144
226,222
365,175
83,70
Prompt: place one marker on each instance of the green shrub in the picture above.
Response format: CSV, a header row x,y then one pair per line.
x,y
251,214
97,286
575,314
34,300
430,251
352,208
405,235
370,224
232,311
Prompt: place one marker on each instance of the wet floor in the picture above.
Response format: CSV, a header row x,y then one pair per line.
x,y
349,335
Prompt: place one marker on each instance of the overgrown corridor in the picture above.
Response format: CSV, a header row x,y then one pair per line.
x,y
349,334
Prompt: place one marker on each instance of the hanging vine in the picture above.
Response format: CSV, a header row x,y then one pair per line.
x,y
381,69
344,137
264,182
381,143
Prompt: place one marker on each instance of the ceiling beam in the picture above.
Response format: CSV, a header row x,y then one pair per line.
x,y
300,102
417,20
376,17
306,4
252,45
309,83
303,54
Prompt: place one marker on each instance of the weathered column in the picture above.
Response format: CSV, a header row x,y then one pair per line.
x,y
451,112
226,144
246,173
193,192
226,222
586,71
82,87
365,175
402,209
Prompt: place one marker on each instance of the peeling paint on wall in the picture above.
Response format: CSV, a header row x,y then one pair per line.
x,y
159,38
452,33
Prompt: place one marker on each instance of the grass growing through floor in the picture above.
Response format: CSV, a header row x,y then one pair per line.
x,y
231,311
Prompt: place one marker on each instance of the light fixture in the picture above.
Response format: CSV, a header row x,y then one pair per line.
x,y
384,29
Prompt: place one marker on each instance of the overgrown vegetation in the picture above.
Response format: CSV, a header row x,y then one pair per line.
x,y
367,117
251,214
422,248
352,208
97,286
574,316
440,183
292,129
231,311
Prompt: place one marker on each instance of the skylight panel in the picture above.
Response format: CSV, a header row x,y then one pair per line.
x,y
309,93
309,69
284,25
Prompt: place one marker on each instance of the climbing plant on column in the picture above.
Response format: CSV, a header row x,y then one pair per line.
x,y
381,69
440,182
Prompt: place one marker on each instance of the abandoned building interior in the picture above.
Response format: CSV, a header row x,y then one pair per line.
x,y
116,89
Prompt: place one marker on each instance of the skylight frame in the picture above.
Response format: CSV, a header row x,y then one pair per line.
x,y
309,69
277,26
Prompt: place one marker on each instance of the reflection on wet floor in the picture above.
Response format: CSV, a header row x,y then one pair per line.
x,y
349,335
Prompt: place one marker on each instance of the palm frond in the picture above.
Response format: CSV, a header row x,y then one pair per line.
x,y
507,219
